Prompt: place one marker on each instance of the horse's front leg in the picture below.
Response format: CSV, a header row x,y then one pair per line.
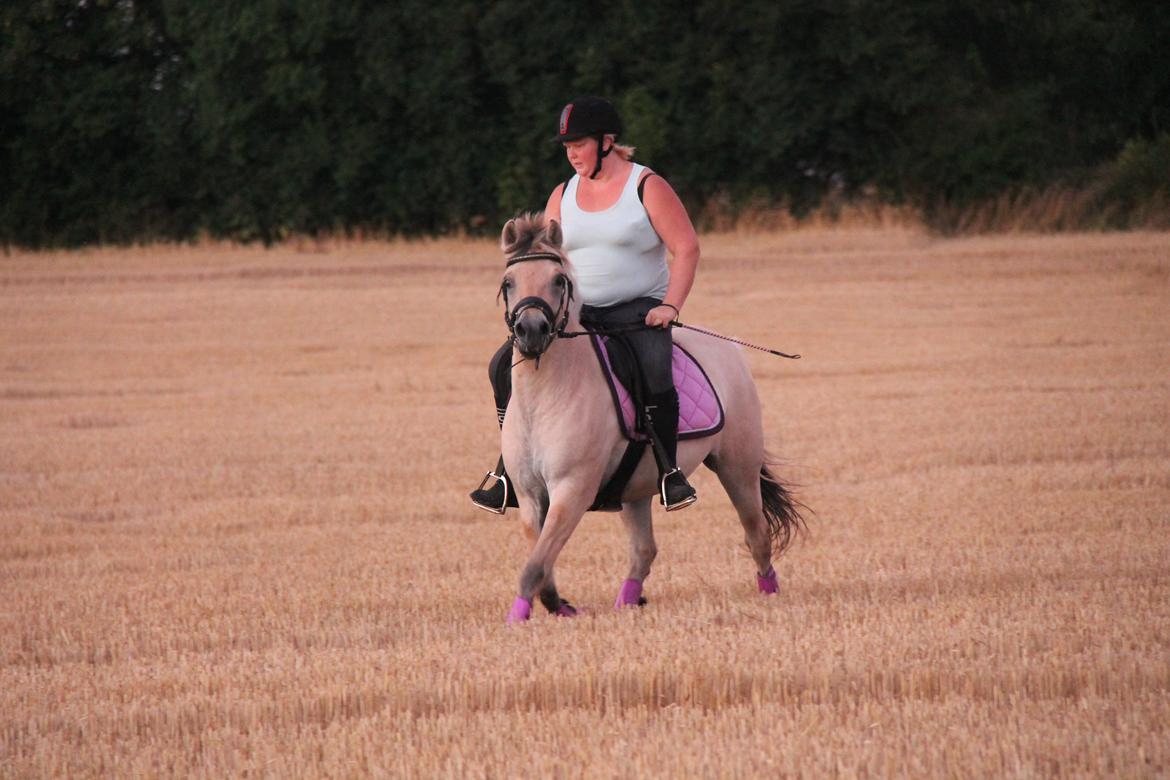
x,y
566,508
533,511
549,596
636,516
552,600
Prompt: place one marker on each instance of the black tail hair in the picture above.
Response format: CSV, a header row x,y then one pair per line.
x,y
781,510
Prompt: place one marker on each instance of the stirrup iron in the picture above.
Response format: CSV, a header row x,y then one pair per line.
x,y
487,507
692,498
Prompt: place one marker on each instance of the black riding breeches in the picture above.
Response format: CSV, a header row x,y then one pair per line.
x,y
653,347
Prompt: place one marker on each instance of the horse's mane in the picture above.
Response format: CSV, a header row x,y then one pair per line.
x,y
531,232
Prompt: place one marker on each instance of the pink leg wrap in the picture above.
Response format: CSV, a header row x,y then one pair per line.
x,y
767,582
566,610
521,609
629,594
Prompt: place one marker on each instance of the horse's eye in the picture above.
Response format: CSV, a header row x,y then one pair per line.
x,y
559,282
506,284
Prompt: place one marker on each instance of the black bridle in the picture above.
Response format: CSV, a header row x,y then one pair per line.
x,y
558,320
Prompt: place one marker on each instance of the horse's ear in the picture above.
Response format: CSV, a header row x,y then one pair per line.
x,y
553,233
508,238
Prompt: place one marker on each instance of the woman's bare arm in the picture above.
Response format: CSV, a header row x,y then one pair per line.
x,y
673,225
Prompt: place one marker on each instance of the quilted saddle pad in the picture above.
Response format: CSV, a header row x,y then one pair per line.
x,y
700,413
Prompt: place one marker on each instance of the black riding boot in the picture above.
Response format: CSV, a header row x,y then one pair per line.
x,y
499,496
673,489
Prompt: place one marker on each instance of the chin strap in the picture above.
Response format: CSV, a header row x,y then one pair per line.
x,y
600,154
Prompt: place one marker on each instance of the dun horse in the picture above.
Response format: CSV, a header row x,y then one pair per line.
x,y
562,440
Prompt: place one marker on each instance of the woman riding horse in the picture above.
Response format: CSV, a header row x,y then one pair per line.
x,y
562,441
618,219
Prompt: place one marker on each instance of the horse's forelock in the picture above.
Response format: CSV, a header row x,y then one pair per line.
x,y
530,232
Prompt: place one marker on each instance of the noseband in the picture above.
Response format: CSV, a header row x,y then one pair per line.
x,y
559,319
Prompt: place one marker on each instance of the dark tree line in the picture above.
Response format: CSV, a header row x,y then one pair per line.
x,y
126,120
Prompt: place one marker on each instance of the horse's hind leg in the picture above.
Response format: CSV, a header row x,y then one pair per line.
x,y
637,518
741,480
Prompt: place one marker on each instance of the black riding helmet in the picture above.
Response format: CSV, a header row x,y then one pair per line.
x,y
589,117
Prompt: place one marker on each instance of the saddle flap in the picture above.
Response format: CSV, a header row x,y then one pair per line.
x,y
700,411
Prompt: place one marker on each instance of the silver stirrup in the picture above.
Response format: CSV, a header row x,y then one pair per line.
x,y
692,498
485,507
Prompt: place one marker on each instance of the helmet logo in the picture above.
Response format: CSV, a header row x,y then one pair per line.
x,y
565,119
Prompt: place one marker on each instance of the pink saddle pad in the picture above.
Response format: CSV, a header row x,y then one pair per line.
x,y
700,412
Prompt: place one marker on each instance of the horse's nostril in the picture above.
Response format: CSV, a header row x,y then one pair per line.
x,y
544,327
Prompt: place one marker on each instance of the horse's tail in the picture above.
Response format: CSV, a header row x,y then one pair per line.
x,y
781,510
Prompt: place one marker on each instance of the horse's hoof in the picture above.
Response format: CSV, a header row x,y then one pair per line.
x,y
767,582
630,595
520,612
566,610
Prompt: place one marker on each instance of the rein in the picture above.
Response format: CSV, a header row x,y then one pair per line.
x,y
562,313
675,324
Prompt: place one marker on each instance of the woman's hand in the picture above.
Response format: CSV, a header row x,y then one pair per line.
x,y
661,316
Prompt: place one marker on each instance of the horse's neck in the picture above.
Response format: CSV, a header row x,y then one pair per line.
x,y
547,390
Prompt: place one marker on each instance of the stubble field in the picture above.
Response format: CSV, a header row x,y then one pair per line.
x,y
235,540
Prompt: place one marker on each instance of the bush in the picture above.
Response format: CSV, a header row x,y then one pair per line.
x,y
1134,190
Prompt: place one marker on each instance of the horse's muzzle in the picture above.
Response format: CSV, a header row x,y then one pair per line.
x,y
533,333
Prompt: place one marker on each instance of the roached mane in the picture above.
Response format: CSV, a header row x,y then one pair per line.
x,y
531,232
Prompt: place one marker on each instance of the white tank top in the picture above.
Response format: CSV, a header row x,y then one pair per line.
x,y
615,253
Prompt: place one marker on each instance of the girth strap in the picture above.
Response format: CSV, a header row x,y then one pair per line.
x,y
609,498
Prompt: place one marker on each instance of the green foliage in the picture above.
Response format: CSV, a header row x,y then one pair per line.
x,y
125,120
88,141
1134,189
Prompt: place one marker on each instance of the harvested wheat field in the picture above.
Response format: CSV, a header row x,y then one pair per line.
x,y
236,539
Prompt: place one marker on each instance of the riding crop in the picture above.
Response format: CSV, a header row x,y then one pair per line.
x,y
778,353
